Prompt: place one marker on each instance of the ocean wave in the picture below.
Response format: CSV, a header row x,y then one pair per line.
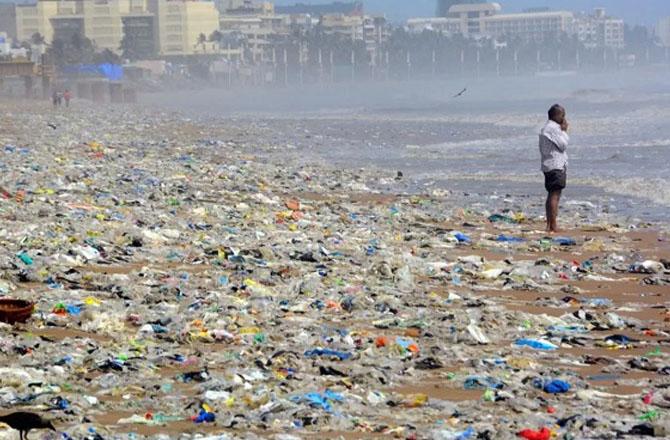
x,y
645,143
656,190
484,143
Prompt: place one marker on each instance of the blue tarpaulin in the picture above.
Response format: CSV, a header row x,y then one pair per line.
x,y
112,72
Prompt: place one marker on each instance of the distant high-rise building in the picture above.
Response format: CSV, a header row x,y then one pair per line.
x,y
444,5
35,19
600,30
478,18
8,20
663,31
337,7
181,26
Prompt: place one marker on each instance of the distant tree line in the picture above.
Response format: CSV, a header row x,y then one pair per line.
x,y
407,54
311,54
78,50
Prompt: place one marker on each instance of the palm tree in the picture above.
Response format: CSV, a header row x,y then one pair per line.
x,y
106,57
202,40
215,37
37,39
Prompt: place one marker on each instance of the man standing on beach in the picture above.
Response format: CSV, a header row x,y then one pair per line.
x,y
554,141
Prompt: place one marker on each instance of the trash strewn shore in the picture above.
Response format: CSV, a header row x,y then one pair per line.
x,y
186,285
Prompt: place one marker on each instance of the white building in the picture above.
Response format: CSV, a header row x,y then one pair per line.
x,y
5,44
663,31
347,26
529,26
257,29
375,33
372,30
472,17
437,24
486,19
599,30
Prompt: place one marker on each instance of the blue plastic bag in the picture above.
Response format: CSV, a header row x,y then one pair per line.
x,y
205,417
565,241
476,382
341,355
509,239
462,238
536,344
552,386
318,400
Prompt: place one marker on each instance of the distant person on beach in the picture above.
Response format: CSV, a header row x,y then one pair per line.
x,y
554,142
67,95
55,98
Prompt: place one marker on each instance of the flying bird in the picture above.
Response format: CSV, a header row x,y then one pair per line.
x,y
461,93
52,125
24,422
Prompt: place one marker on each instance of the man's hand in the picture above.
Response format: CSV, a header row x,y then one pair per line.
x,y
565,125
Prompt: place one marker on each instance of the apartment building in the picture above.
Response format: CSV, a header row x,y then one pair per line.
x,y
35,19
98,20
529,26
436,24
347,26
375,32
257,23
600,30
471,17
180,24
486,19
317,10
663,31
372,30
140,27
443,6
8,20
176,24
5,44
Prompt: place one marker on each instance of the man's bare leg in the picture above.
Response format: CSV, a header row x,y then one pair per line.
x,y
553,200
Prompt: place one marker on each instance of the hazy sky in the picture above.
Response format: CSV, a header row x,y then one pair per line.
x,y
634,11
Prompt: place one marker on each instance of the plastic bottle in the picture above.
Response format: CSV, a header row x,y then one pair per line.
x,y
25,258
536,344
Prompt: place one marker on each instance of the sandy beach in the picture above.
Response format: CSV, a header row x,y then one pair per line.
x,y
179,265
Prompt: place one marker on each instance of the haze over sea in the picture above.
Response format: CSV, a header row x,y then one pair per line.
x,y
483,142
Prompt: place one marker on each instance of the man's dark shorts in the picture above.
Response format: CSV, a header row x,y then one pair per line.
x,y
555,180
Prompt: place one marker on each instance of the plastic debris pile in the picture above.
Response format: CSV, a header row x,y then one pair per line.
x,y
184,287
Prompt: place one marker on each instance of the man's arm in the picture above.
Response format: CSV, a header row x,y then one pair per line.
x,y
559,138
